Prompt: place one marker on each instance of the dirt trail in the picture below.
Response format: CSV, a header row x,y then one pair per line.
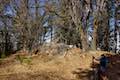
x,y
73,66
113,72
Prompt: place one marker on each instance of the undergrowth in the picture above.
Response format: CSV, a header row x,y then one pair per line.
x,y
24,59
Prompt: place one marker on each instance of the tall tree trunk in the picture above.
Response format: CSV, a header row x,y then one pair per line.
x,y
94,41
51,33
83,39
106,39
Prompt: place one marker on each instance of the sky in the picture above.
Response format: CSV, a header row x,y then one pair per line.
x,y
9,10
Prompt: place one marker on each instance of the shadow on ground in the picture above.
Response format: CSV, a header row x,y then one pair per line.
x,y
33,76
113,70
83,74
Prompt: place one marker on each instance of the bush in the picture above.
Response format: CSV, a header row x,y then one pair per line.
x,y
23,59
2,55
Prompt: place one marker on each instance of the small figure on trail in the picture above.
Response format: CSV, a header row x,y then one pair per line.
x,y
103,63
103,60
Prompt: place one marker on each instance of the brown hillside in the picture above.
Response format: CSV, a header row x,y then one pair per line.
x,y
72,66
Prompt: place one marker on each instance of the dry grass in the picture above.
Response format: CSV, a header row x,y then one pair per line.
x,y
71,66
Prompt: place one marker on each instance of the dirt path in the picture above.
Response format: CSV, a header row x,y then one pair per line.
x,y
113,72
